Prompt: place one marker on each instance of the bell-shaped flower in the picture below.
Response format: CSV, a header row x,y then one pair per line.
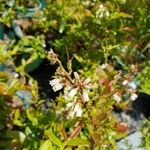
x,y
56,84
74,110
117,97
85,95
133,96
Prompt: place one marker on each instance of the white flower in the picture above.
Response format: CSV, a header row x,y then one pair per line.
x,y
78,110
125,82
133,96
104,66
72,92
85,95
16,75
102,8
133,85
54,81
102,12
87,81
117,97
56,84
76,75
74,110
43,45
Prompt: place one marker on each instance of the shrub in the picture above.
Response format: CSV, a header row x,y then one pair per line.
x,y
98,47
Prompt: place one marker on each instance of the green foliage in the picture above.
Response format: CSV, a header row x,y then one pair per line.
x,y
146,136
99,47
144,78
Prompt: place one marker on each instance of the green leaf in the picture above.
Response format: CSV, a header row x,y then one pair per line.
x,y
77,142
3,76
28,131
53,138
19,136
18,123
31,117
12,88
46,145
17,114
117,15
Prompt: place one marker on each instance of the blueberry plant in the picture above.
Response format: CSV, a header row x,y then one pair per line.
x,y
100,49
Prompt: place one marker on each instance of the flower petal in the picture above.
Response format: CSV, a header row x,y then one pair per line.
x,y
72,92
85,95
133,96
117,97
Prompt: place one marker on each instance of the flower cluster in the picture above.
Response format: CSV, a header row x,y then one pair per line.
x,y
76,91
126,90
130,91
102,12
52,57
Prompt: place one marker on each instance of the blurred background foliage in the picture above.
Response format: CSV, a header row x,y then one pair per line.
x,y
87,33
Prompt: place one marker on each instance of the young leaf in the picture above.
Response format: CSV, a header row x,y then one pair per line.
x,y
53,138
77,142
3,76
31,117
46,145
